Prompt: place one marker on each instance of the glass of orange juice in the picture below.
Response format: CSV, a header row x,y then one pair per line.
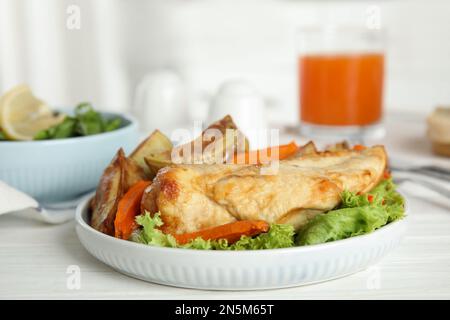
x,y
341,72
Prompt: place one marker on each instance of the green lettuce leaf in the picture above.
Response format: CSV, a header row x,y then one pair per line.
x,y
150,234
355,216
86,121
278,236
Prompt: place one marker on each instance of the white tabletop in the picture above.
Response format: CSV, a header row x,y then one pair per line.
x,y
35,257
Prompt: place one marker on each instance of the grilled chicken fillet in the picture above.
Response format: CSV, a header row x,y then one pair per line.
x,y
193,197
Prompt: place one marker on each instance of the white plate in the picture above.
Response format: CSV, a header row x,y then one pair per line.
x,y
239,270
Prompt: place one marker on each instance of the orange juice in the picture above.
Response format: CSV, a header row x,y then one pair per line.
x,y
341,89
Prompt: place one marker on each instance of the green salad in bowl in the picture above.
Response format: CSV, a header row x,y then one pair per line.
x,y
23,117
57,155
84,122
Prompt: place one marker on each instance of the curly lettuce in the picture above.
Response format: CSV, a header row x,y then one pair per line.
x,y
278,236
358,214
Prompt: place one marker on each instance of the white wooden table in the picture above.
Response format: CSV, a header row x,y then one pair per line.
x,y
34,257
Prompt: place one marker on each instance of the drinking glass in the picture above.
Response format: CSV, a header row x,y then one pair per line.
x,y
341,72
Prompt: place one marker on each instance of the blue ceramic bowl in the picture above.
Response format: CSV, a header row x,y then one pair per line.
x,y
60,170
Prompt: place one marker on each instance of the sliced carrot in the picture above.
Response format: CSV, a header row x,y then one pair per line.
x,y
386,174
359,147
231,232
128,208
265,155
370,198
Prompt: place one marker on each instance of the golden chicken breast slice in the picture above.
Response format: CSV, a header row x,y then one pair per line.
x,y
193,197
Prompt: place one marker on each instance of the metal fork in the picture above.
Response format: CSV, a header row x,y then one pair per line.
x,y
428,171
423,182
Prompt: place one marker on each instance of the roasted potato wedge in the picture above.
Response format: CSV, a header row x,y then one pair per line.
x,y
155,144
132,173
209,147
117,178
109,191
340,146
157,161
241,143
308,148
231,140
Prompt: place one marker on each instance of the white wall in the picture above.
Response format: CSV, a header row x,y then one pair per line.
x,y
209,41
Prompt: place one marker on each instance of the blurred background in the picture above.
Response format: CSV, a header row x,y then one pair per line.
x,y
207,42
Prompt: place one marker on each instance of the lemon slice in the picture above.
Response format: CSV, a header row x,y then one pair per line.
x,y
22,115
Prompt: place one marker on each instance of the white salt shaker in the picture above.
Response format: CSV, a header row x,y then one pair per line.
x,y
160,102
246,106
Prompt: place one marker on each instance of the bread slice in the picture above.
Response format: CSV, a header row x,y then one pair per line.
x,y
439,130
441,149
